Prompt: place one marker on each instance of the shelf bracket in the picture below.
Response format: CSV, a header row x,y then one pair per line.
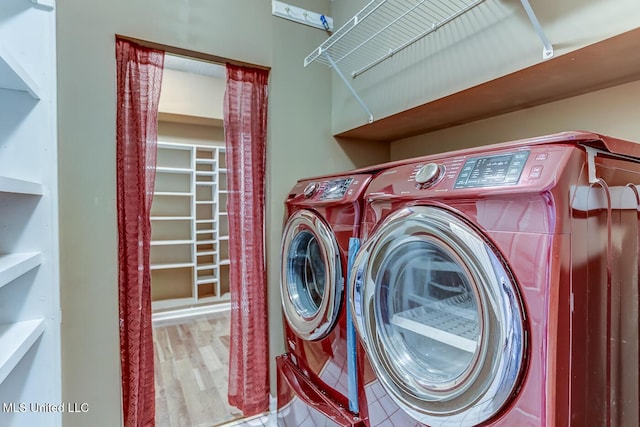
x,y
346,82
547,50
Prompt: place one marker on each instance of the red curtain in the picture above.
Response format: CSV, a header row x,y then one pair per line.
x,y
245,121
139,76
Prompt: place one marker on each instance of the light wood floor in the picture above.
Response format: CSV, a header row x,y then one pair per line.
x,y
191,364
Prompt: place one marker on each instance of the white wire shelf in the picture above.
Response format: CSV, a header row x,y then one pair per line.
x,y
385,27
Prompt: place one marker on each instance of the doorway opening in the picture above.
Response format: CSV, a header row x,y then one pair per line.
x,y
189,249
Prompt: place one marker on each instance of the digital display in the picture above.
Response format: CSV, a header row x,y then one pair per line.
x,y
503,169
335,189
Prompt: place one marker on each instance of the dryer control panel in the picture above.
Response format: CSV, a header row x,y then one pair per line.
x,y
470,173
500,169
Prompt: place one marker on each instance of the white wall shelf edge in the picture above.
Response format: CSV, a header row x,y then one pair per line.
x,y
15,340
15,265
14,77
19,186
45,4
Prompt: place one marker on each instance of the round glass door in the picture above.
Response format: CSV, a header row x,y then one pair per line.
x,y
311,275
439,316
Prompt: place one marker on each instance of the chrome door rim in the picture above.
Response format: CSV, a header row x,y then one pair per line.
x,y
491,377
311,324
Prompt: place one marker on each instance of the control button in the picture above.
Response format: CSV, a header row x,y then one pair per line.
x,y
310,189
536,172
542,156
427,174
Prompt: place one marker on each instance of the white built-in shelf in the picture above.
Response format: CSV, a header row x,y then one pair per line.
x,y
223,238
223,213
199,266
15,265
204,253
29,244
168,266
222,170
19,186
170,242
205,231
15,340
225,262
171,218
46,4
14,77
204,280
173,170
173,193
205,242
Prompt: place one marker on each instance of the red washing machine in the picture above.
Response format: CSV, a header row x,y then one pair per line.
x,y
315,377
498,286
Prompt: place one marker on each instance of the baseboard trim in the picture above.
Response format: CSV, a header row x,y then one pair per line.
x,y
191,311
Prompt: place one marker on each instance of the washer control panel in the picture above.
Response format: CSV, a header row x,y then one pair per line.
x,y
428,174
494,170
335,189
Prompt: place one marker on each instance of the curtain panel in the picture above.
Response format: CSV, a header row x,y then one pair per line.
x,y
139,77
245,125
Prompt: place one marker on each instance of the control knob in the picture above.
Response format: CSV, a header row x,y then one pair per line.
x,y
310,189
428,174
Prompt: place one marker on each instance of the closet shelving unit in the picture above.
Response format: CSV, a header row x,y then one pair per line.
x,y
29,272
211,224
189,247
385,27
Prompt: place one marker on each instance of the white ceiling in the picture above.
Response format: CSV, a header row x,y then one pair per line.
x,y
194,66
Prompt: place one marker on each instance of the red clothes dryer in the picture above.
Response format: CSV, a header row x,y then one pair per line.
x,y
498,286
323,214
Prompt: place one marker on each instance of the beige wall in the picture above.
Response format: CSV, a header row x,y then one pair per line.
x,y
191,95
610,112
190,133
494,39
299,144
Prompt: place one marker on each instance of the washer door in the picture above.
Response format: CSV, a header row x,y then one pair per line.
x,y
439,316
311,276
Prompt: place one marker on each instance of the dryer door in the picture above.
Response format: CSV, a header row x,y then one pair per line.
x,y
311,275
440,317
